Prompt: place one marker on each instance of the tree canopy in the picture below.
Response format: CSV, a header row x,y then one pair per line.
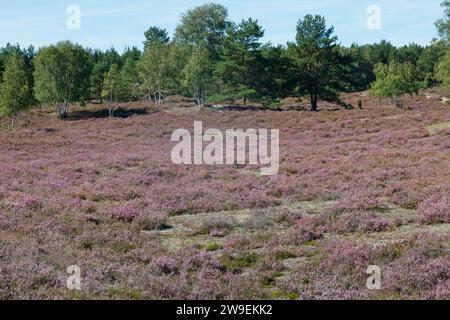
x,y
443,24
240,66
62,75
315,56
155,35
394,80
197,75
204,25
15,88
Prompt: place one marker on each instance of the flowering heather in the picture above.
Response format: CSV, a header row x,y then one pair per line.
x,y
414,268
125,213
166,265
307,229
151,221
355,188
32,202
435,209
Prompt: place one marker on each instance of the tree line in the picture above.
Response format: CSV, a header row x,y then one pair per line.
x,y
214,59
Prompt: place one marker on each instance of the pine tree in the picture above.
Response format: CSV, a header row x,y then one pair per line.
x,y
315,56
155,35
240,66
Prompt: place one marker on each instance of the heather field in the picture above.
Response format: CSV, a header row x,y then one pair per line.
x,y
355,188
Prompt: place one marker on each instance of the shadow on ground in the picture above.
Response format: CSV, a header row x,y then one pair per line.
x,y
103,113
242,108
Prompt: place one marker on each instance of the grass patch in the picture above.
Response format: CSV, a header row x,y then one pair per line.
x,y
213,247
438,127
237,264
283,295
283,255
124,247
124,293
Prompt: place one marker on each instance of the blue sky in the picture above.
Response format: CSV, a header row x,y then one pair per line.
x,y
106,23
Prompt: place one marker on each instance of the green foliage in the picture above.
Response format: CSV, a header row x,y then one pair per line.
x,y
27,54
428,61
127,86
179,55
237,264
356,70
62,75
443,25
15,88
394,80
132,53
277,78
204,26
156,72
197,75
97,79
443,70
241,66
102,63
315,56
155,35
209,55
410,53
383,52
110,86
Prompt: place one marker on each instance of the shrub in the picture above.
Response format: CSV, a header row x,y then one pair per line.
x,y
306,229
151,221
165,265
359,221
201,260
125,213
258,221
435,209
217,226
236,263
32,202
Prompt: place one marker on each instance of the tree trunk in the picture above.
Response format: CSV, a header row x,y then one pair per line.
x,y
245,101
313,102
66,109
110,107
199,98
62,111
13,121
156,100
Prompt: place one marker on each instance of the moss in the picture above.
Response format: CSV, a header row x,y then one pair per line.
x,y
283,255
124,293
311,243
237,264
124,247
213,247
278,274
283,295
